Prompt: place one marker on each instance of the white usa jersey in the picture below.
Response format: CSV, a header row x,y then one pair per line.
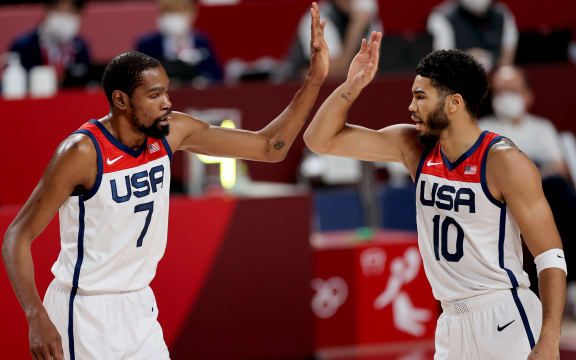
x,y
113,237
469,241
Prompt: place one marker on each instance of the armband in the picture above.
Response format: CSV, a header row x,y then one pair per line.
x,y
553,258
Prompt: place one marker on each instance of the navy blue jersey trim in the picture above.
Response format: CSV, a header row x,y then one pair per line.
x,y
453,165
421,164
501,238
524,318
483,175
99,162
82,212
168,149
117,143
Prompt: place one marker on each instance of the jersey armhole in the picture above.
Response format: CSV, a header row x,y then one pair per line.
x,y
425,154
487,192
168,149
99,162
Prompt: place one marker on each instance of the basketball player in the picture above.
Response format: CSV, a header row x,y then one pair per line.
x,y
110,181
475,194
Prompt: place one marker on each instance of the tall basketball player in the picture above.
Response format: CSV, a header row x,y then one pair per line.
x,y
110,182
475,194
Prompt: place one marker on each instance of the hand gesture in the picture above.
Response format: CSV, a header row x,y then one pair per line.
x,y
45,342
319,57
365,63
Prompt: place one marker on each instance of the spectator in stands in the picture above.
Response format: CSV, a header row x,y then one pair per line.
x,y
185,52
56,42
535,136
484,28
347,22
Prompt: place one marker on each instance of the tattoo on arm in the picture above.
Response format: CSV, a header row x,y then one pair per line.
x,y
346,96
279,145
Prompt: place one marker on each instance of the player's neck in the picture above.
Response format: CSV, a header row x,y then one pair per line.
x,y
122,129
458,138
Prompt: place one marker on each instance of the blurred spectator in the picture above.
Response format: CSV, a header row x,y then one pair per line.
x,y
347,21
535,136
485,29
185,52
55,42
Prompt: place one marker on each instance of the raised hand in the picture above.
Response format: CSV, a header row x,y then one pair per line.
x,y
319,57
365,63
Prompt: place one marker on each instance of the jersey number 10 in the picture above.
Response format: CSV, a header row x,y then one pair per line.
x,y
441,237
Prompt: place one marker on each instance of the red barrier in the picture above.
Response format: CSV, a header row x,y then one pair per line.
x,y
368,293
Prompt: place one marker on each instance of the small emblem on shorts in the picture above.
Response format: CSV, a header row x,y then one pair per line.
x,y
500,328
561,257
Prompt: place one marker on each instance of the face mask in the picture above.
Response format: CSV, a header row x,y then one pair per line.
x,y
61,27
508,105
174,24
477,7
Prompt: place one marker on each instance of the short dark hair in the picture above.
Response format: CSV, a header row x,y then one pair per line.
x,y
124,73
454,71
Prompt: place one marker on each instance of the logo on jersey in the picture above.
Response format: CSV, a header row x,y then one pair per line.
x,y
110,162
152,148
470,170
430,163
139,184
446,197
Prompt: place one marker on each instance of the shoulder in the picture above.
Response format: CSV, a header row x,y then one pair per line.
x,y
77,146
27,39
150,38
509,169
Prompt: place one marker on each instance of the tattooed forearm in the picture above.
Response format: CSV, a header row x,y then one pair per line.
x,y
346,96
279,145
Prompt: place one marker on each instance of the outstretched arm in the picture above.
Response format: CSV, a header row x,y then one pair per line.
x,y
513,178
328,133
73,165
271,143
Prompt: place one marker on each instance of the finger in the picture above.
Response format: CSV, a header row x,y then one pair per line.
x,y
363,47
44,353
56,350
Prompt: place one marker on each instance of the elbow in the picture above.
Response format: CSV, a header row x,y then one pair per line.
x,y
314,145
276,156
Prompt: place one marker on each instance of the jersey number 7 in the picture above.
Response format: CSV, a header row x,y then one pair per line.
x,y
149,206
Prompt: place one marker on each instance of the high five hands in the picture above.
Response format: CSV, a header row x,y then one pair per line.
x,y
365,63
319,56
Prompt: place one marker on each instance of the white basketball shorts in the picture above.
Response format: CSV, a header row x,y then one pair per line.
x,y
109,326
501,325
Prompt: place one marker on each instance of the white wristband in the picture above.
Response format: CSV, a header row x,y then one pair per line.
x,y
553,258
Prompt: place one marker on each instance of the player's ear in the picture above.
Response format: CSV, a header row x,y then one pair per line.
x,y
120,99
454,103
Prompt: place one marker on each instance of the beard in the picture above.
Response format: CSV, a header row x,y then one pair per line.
x,y
154,131
436,122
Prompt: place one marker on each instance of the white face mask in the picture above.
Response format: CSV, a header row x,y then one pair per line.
x,y
478,7
174,24
509,106
61,27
